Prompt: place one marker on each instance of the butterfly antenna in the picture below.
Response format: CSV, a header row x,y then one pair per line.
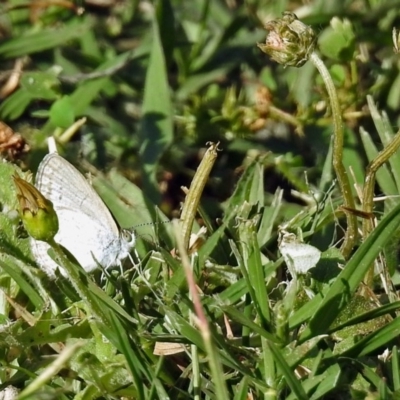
x,y
151,223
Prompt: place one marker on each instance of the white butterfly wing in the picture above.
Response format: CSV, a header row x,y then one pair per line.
x,y
86,227
61,183
46,263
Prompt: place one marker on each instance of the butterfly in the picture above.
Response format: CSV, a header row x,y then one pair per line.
x,y
86,227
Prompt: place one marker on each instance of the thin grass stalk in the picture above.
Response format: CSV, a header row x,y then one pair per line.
x,y
369,188
338,140
216,369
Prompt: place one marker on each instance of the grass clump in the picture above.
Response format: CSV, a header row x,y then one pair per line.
x,y
230,313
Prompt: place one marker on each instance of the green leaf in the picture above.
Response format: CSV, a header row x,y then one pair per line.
x,y
132,208
156,131
40,85
289,375
250,189
15,104
383,175
166,23
386,134
375,340
44,39
62,113
14,268
253,269
337,41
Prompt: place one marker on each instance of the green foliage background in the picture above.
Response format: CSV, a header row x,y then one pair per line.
x,y
157,81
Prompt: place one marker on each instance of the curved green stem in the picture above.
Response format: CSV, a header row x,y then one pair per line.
x,y
341,173
78,280
368,191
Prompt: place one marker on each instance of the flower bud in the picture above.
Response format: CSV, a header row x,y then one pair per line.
x,y
289,41
37,213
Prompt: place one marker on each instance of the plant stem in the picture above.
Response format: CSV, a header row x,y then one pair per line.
x,y
341,173
78,281
368,191
199,317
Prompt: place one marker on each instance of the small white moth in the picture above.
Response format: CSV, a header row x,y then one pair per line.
x,y
299,257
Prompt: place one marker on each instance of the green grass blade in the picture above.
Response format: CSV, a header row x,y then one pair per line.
x,y
289,375
395,364
13,269
44,39
156,131
375,340
383,176
386,134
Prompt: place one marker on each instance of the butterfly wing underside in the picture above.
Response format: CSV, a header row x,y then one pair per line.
x,y
86,226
